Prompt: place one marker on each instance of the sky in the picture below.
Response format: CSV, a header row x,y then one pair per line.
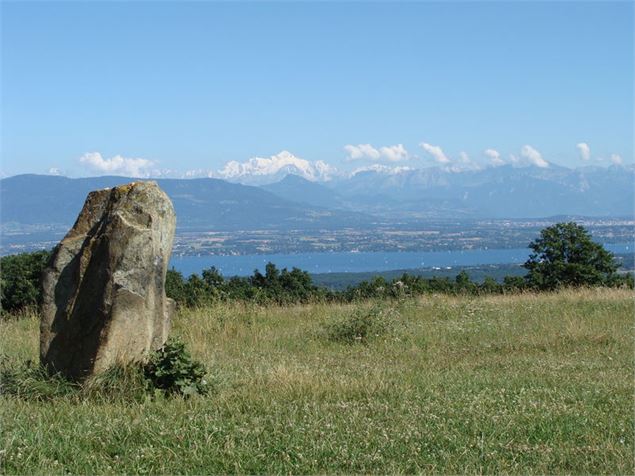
x,y
163,88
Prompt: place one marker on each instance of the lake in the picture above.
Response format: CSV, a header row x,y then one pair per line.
x,y
351,262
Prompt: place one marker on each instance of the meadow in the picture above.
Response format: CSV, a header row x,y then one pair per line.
x,y
527,383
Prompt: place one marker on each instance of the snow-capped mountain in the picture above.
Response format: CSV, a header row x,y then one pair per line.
x,y
502,192
266,170
306,199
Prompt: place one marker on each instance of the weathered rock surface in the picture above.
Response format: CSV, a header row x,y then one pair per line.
x,y
104,289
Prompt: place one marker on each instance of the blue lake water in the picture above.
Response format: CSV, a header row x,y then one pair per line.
x,y
349,262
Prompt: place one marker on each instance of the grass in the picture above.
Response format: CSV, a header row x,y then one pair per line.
x,y
502,384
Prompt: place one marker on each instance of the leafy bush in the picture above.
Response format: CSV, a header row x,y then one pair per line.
x,y
20,279
175,286
463,284
363,325
172,370
274,287
514,284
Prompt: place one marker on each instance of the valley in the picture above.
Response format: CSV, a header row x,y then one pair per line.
x,y
429,236
410,237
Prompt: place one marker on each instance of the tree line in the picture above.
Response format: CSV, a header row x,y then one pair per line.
x,y
564,255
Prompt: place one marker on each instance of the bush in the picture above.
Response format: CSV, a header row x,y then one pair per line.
x,y
362,325
175,286
490,286
463,284
622,280
172,370
514,284
20,279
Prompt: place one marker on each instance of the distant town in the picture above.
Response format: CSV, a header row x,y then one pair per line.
x,y
431,236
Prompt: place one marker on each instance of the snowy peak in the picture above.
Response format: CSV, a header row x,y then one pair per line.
x,y
265,170
382,169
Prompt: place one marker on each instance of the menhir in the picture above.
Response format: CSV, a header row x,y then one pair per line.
x,y
104,299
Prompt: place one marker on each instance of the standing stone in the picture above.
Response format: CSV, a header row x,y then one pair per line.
x,y
104,297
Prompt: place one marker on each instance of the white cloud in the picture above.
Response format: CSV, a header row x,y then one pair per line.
x,y
436,152
495,157
464,158
616,159
362,151
55,171
391,153
394,153
533,156
265,169
117,165
585,150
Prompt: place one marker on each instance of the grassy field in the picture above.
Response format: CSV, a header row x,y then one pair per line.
x,y
512,384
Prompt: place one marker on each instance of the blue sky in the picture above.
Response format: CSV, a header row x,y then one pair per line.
x,y
185,86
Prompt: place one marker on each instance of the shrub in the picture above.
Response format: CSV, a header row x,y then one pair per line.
x,y
175,286
172,370
362,325
20,279
490,286
463,284
514,284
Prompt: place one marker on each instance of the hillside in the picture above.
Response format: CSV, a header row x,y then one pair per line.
x,y
294,187
201,204
502,384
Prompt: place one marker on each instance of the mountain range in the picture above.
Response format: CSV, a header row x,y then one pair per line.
x,y
496,192
200,204
367,198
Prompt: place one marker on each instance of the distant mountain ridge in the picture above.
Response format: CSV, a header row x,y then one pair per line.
x,y
200,204
500,192
365,199
294,187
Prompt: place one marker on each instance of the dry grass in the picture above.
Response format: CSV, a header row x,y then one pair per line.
x,y
518,384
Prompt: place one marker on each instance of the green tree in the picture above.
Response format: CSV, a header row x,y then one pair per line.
x,y
175,286
463,283
565,255
20,279
490,286
514,283
213,278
